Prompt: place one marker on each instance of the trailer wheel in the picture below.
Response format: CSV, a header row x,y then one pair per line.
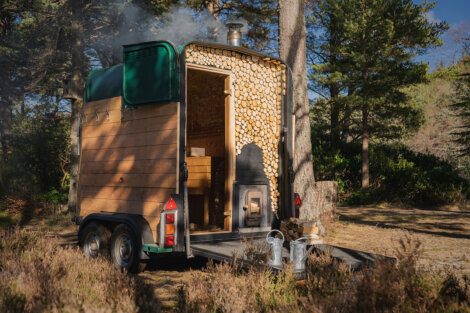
x,y
125,249
94,240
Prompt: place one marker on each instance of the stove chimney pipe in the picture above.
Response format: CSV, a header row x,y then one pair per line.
x,y
234,35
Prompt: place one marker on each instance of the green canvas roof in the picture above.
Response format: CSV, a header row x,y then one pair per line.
x,y
104,83
150,73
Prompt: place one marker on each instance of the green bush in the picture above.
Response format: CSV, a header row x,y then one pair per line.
x,y
38,150
397,174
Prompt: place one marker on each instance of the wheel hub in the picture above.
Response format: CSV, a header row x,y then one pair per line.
x,y
93,244
125,249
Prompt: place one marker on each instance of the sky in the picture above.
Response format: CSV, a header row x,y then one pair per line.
x,y
457,14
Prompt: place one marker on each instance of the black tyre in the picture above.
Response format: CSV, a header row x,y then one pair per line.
x,y
125,249
94,240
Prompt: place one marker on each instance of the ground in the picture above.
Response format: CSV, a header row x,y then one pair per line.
x,y
444,234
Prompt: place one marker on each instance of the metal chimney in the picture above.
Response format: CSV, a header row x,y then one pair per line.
x,y
234,35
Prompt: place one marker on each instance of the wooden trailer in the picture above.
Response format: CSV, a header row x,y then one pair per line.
x,y
183,150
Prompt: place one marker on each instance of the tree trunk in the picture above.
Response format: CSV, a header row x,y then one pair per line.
x,y
76,90
334,88
292,48
365,146
334,117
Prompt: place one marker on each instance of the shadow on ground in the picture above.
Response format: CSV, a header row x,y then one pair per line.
x,y
433,222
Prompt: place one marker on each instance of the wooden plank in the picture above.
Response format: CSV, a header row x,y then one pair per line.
x,y
132,140
199,169
109,113
198,183
156,152
109,104
194,176
91,205
125,166
129,180
127,193
130,127
206,160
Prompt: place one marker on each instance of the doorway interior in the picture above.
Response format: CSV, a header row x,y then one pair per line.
x,y
209,149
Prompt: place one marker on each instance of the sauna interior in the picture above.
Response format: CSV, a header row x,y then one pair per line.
x,y
206,151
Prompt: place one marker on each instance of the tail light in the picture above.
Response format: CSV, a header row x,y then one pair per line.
x,y
168,220
170,204
297,203
169,241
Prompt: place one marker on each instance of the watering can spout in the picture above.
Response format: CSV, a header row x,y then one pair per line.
x,y
299,254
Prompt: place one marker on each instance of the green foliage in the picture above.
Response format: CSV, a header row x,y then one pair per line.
x,y
399,174
462,105
362,58
37,159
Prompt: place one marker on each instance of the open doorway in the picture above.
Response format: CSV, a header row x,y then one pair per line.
x,y
208,151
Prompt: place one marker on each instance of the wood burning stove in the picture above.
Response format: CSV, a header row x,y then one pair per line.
x,y
252,189
253,208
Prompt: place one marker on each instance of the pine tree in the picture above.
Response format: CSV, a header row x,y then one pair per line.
x,y
374,61
462,104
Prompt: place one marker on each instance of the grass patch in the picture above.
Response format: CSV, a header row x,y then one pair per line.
x,y
39,276
6,220
329,287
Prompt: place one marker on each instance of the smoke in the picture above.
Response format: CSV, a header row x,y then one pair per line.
x,y
179,25
121,22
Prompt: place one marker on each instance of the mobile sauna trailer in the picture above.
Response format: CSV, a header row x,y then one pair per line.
x,y
183,150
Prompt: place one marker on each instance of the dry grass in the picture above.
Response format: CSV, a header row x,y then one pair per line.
x,y
444,234
38,275
329,287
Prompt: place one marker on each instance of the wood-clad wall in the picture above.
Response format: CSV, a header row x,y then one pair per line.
x,y
128,158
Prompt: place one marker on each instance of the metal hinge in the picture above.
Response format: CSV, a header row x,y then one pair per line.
x,y
185,171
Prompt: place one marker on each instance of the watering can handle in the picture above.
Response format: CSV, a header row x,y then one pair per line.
x,y
301,239
272,231
307,253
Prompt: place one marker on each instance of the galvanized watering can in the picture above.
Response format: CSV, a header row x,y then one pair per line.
x,y
299,254
276,248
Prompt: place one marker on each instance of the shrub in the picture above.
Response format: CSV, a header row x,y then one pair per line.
x,y
330,286
397,174
39,276
227,288
38,151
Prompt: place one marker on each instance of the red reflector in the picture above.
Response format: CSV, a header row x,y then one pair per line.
x,y
169,241
170,218
297,200
170,204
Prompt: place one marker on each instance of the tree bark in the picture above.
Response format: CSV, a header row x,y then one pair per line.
x,y
76,90
292,48
365,146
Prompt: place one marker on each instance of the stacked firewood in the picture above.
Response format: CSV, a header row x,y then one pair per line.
x,y
258,85
294,228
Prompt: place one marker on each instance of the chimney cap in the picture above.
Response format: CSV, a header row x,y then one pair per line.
x,y
234,35
235,25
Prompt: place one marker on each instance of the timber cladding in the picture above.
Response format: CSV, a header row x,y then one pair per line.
x,y
258,85
128,158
